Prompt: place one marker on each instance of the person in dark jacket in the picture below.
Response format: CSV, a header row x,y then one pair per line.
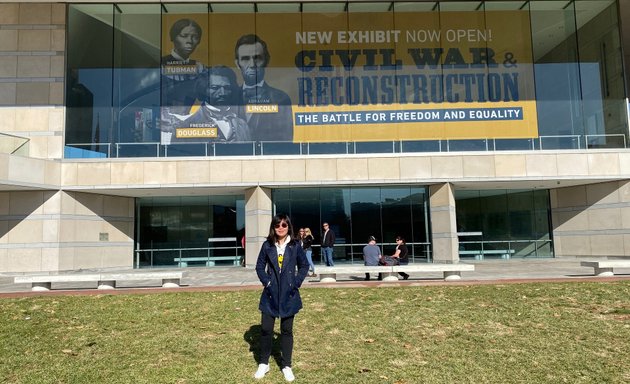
x,y
328,241
281,268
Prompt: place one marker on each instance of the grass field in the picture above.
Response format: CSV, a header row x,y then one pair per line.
x,y
518,333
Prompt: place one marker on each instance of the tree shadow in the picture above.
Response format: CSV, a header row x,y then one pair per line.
x,y
252,337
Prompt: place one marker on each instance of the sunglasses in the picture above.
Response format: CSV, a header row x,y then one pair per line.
x,y
283,225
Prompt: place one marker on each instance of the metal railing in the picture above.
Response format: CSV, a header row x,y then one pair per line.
x,y
342,253
515,248
179,254
269,148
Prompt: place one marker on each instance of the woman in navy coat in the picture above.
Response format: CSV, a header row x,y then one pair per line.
x,y
281,267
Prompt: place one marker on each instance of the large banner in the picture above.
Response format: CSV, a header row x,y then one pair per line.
x,y
327,77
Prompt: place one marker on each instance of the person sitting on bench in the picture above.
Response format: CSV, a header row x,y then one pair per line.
x,y
372,255
402,254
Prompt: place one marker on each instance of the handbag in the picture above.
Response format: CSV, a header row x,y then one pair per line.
x,y
389,261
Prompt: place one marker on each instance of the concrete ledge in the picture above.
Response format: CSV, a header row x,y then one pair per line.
x,y
390,273
329,274
605,267
41,283
182,262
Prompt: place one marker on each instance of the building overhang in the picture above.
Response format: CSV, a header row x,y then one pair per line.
x,y
19,173
465,170
227,176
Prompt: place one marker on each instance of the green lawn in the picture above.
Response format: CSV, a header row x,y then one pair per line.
x,y
517,333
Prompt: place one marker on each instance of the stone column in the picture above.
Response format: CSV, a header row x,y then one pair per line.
x,y
258,214
443,224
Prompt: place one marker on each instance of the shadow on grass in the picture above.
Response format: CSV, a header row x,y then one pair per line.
x,y
252,337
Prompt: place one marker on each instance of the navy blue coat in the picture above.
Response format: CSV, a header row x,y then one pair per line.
x,y
281,295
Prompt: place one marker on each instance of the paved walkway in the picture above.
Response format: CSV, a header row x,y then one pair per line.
x,y
488,271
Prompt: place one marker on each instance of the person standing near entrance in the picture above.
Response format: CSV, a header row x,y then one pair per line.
x,y
281,268
307,245
328,241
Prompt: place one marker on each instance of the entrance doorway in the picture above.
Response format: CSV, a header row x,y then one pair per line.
x,y
189,231
355,213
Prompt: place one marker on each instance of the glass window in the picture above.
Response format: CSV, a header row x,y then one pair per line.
x,y
514,221
184,79
136,76
358,212
302,206
335,209
467,145
89,79
282,204
556,70
601,69
175,231
396,213
366,214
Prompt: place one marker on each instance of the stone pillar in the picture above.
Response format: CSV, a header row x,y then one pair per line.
x,y
443,224
258,214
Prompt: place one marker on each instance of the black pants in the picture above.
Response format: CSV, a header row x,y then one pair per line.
x,y
286,338
403,274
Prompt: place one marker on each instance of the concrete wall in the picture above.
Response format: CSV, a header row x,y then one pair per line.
x,y
592,220
32,48
529,169
55,230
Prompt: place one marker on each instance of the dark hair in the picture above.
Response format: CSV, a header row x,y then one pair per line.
x,y
401,238
252,39
371,238
180,24
220,70
277,219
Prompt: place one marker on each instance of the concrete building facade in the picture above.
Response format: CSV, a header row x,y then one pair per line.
x,y
60,212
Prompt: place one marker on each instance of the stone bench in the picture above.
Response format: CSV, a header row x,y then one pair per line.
x,y
210,261
103,280
605,267
390,273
